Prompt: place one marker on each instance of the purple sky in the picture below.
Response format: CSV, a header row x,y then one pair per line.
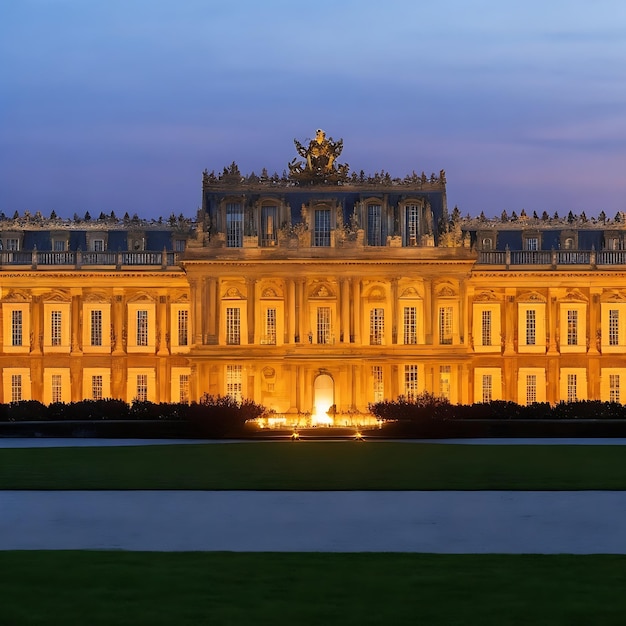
x,y
120,104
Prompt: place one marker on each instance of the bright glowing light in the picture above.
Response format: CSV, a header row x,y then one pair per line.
x,y
324,400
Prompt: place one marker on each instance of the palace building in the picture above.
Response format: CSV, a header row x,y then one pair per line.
x,y
314,293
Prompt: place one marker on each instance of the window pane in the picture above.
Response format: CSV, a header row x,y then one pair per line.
x,y
234,225
374,225
321,235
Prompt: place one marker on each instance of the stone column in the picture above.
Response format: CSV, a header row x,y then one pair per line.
x,y
118,317
428,312
211,311
345,311
394,310
162,324
356,310
251,285
75,322
291,310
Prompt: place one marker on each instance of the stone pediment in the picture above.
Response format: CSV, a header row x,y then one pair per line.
x,y
95,296
531,296
17,296
410,292
56,296
486,296
574,296
141,296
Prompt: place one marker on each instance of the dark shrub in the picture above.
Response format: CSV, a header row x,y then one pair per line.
x,y
26,411
220,416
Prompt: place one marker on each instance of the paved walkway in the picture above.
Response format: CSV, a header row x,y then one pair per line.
x,y
65,442
582,522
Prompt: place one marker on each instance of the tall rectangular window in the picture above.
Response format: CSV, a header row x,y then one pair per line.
x,y
377,377
374,225
377,326
16,387
486,328
487,388
410,325
613,327
233,326
97,245
142,387
234,225
269,221
234,376
531,388
614,392
445,325
532,243
531,327
55,328
96,327
572,392
16,328
270,326
58,245
183,388
57,388
183,327
445,381
572,327
323,324
142,327
12,244
411,225
410,381
321,233
96,387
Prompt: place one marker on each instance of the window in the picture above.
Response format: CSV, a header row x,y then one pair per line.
x,y
487,388
323,324
377,377
97,387
572,327
572,395
531,327
270,327
55,328
269,220
445,381
410,325
531,243
97,245
613,327
374,225
12,244
180,245
233,326
487,243
321,234
233,382
614,394
410,381
95,337
58,245
568,243
183,388
142,388
531,388
57,388
16,387
445,325
16,328
486,328
183,327
142,327
377,326
411,224
234,225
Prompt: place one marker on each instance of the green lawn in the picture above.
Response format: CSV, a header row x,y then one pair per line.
x,y
316,466
107,588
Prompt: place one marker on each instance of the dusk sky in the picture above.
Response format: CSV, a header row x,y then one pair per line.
x,y
118,105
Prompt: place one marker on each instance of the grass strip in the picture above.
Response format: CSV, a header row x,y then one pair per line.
x,y
104,588
317,466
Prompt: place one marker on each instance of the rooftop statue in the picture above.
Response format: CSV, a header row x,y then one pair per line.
x,y
320,166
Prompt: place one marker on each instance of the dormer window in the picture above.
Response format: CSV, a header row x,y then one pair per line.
x,y
531,242
487,243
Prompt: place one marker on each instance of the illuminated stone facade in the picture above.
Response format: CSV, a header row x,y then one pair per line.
x,y
314,294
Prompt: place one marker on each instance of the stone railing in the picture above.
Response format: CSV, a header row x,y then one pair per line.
x,y
552,258
37,259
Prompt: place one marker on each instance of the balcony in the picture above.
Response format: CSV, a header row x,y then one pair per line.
x,y
36,259
552,259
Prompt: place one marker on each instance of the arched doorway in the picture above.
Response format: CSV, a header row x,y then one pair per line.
x,y
323,399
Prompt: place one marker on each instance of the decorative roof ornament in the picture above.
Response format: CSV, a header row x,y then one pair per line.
x,y
320,165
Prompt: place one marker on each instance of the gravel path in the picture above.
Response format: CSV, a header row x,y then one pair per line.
x,y
581,522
